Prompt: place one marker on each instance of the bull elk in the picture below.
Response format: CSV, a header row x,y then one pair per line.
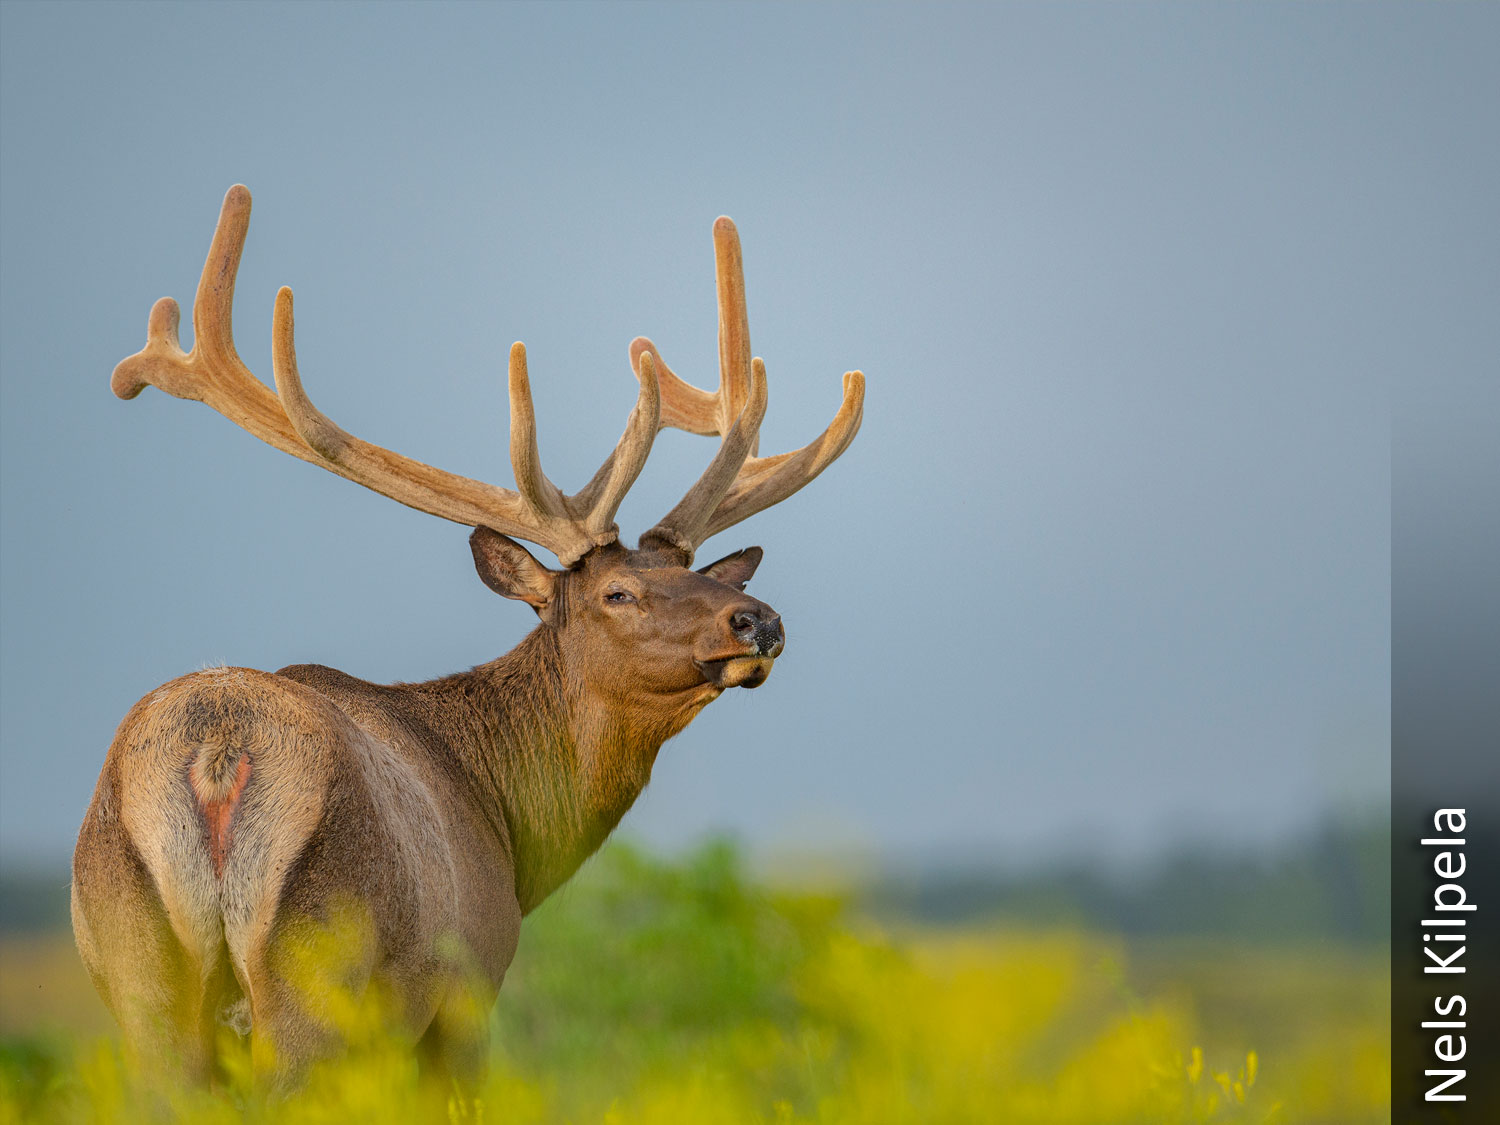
x,y
236,807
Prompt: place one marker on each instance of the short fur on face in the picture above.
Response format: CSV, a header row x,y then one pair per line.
x,y
639,623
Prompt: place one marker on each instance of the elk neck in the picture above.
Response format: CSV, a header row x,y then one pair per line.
x,y
557,763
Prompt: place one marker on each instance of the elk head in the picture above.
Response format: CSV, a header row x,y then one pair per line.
x,y
631,623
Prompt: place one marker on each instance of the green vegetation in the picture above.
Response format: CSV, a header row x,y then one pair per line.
x,y
648,991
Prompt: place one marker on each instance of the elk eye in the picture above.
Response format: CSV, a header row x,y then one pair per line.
x,y
618,597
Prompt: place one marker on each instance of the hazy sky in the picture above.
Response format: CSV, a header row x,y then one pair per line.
x,y
1108,565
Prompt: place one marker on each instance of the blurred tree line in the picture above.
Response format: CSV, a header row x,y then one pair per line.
x,y
1332,885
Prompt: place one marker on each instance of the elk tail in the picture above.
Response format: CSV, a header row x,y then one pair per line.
x,y
218,774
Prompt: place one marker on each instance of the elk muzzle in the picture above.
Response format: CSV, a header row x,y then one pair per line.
x,y
757,628
760,627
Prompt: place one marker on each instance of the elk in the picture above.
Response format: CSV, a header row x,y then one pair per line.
x,y
236,808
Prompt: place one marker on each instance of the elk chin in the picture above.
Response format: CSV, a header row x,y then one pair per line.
x,y
737,671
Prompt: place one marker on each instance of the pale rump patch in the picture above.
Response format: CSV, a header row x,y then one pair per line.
x,y
217,806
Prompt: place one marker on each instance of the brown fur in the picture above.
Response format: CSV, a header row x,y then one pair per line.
x,y
237,807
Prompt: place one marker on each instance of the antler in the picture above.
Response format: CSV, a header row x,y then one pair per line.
x,y
213,373
737,483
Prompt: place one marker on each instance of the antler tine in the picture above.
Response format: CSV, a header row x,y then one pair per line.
x,y
765,481
601,497
686,525
683,405
525,462
734,326
757,482
213,304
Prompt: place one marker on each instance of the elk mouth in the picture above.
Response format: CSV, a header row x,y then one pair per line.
x,y
746,670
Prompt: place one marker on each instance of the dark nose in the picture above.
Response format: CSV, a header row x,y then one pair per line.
x,y
760,627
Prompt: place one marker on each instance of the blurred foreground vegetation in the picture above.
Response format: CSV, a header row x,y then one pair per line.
x,y
648,991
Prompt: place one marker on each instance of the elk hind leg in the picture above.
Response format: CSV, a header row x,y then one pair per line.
x,y
308,990
454,1051
164,1001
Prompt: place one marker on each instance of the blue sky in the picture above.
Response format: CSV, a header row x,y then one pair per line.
x,y
1108,565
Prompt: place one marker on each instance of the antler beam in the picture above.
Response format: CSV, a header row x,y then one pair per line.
x,y
214,374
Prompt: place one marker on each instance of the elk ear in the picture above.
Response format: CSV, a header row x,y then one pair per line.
x,y
736,569
507,568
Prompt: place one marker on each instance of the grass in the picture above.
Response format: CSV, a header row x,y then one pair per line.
x,y
649,991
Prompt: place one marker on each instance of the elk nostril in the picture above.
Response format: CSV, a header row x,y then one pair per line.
x,y
744,622
770,638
